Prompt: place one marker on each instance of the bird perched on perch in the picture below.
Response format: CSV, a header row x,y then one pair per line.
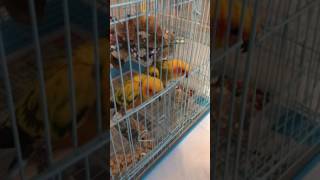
x,y
19,10
29,111
171,69
222,24
132,97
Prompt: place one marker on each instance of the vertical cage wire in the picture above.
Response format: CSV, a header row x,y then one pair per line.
x,y
169,41
265,112
11,106
28,68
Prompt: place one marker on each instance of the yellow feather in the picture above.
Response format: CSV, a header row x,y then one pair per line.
x,y
57,94
143,7
174,68
148,86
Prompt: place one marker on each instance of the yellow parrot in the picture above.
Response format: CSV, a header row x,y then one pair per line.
x,y
149,86
29,111
222,24
171,69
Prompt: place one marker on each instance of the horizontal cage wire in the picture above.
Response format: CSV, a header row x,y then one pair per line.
x,y
159,78
50,107
265,87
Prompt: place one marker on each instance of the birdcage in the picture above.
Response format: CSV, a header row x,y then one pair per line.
x,y
266,100
51,66
155,40
41,41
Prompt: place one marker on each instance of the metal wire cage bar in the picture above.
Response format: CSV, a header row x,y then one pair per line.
x,y
265,100
165,44
48,50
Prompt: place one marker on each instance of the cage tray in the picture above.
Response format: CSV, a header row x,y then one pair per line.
x,y
297,126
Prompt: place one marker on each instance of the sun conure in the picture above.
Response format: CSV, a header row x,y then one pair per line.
x,y
171,69
149,86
